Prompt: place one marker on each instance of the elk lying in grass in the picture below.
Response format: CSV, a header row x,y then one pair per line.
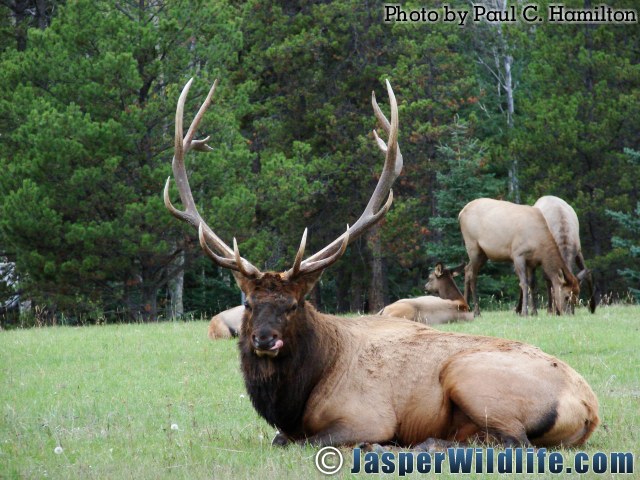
x,y
565,228
328,380
506,232
448,306
226,324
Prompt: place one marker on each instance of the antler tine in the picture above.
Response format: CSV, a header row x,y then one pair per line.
x,y
375,209
298,261
386,126
322,263
182,145
229,263
244,267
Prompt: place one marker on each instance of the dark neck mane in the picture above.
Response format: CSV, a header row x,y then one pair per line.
x,y
280,387
449,290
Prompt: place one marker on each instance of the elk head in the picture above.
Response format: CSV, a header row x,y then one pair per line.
x,y
275,302
566,291
441,279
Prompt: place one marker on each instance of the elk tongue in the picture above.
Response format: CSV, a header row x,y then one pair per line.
x,y
278,345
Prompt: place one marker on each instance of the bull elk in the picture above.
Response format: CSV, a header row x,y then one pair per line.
x,y
226,324
329,380
448,306
565,228
507,232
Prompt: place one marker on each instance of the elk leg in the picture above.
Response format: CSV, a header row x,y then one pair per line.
x,y
531,273
586,276
467,284
549,285
471,279
330,436
520,267
338,434
513,410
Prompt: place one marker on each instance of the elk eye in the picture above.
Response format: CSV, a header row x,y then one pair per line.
x,y
247,306
292,308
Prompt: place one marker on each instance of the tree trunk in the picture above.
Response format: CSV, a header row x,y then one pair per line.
x,y
514,185
343,283
149,303
26,12
355,300
377,283
357,289
176,287
501,71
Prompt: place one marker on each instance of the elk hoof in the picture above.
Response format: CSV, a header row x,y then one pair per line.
x,y
280,440
432,445
373,447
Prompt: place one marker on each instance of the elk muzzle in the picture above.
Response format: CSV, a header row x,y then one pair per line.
x,y
266,343
430,286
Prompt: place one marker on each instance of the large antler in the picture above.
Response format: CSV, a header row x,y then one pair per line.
x,y
374,210
226,257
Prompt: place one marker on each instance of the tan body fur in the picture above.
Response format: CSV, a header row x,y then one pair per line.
x,y
428,309
565,227
226,324
506,232
448,306
394,379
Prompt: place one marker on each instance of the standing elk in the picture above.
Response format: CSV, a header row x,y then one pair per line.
x,y
448,306
329,380
226,324
507,232
565,228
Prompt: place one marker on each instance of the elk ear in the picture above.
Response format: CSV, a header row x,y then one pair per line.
x,y
457,270
438,270
307,281
582,275
241,281
561,277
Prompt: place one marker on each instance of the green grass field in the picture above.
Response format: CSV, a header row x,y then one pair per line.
x,y
162,401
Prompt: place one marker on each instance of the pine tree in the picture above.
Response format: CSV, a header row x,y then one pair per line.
x,y
315,64
628,241
89,109
579,110
465,176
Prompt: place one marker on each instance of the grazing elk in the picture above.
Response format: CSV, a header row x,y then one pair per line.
x,y
507,232
328,380
226,324
565,228
448,306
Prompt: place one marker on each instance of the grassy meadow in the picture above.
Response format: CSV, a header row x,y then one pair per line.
x,y
161,401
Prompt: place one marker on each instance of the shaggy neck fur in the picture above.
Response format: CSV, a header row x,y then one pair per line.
x,y
449,290
279,387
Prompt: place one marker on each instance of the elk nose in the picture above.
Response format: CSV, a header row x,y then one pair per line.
x,y
264,341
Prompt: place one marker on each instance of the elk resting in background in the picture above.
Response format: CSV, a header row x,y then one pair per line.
x,y
226,324
506,232
448,306
328,380
565,228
